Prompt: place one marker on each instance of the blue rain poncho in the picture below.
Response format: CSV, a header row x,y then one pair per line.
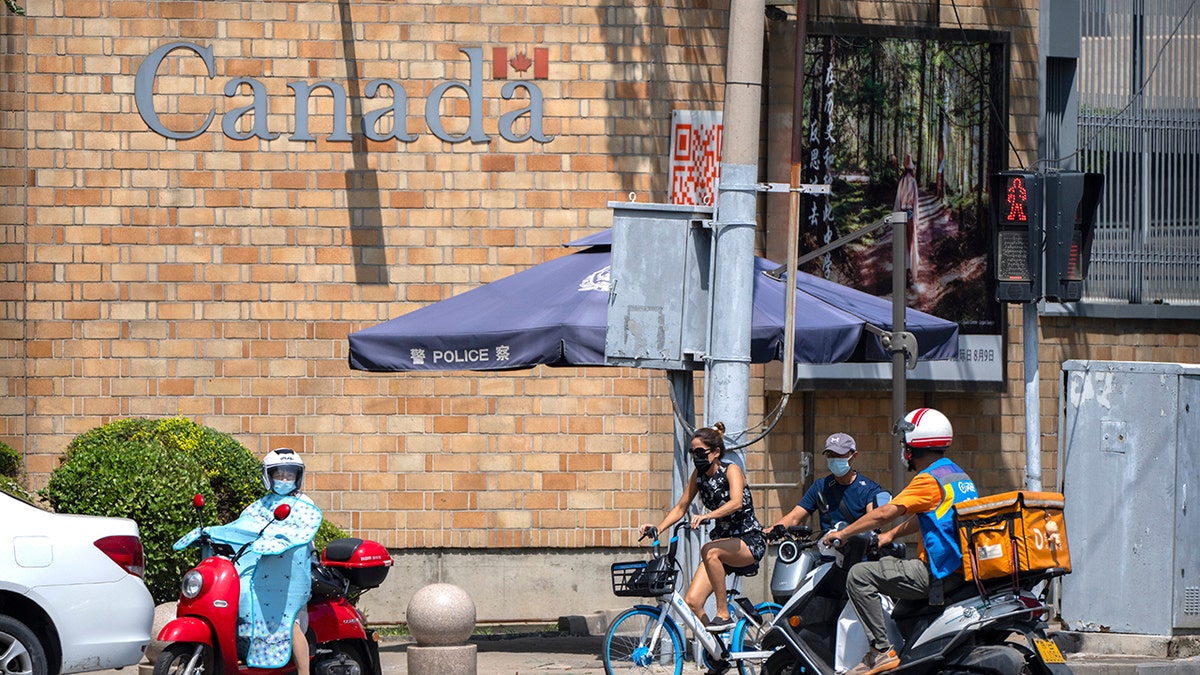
x,y
275,573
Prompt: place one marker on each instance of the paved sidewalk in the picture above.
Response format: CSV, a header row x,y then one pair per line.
x,y
554,653
1124,654
562,654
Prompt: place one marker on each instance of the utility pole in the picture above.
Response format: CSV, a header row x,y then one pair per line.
x,y
1059,46
727,390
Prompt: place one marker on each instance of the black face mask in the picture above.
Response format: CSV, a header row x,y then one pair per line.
x,y
701,462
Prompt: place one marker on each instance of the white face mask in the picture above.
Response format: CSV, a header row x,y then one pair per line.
x,y
838,466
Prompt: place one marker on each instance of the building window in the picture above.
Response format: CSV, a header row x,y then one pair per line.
x,y
1139,124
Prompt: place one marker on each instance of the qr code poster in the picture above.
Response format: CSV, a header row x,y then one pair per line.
x,y
695,156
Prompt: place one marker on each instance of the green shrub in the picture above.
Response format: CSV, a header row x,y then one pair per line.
x,y
232,470
10,473
10,461
149,470
14,488
138,479
327,533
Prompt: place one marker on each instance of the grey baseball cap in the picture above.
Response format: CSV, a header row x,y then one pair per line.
x,y
840,444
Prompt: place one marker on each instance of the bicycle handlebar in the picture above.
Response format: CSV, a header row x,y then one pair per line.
x,y
792,532
653,533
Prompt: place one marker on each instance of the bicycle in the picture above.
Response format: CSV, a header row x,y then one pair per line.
x,y
648,639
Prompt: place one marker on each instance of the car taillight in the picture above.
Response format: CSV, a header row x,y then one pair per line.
x,y
126,551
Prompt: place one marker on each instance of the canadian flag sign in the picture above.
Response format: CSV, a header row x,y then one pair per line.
x,y
520,64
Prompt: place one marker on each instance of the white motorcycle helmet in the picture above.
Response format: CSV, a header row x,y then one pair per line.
x,y
926,428
276,465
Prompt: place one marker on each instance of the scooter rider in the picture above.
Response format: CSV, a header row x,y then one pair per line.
x,y
927,502
848,493
275,572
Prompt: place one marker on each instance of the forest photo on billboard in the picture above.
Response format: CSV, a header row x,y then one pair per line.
x,y
911,123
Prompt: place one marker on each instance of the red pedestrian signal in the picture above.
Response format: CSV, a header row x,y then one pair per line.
x,y
1018,199
1016,215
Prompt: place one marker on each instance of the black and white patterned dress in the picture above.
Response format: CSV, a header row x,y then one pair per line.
x,y
742,524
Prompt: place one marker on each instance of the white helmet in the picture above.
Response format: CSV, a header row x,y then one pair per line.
x,y
280,458
926,428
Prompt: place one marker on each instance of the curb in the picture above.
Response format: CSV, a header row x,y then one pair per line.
x,y
1089,653
1131,665
587,625
1126,644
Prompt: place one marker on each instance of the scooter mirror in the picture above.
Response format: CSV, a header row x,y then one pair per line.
x,y
282,511
198,501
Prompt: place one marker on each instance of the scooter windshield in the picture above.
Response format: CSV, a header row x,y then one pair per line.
x,y
273,571
275,577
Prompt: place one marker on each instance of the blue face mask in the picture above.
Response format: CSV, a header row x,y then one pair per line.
x,y
284,487
838,466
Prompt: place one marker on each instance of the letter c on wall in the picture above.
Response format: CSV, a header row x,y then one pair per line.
x,y
143,88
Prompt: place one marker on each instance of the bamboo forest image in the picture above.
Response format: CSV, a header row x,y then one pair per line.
x,y
905,124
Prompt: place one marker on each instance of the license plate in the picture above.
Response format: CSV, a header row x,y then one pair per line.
x,y
1049,651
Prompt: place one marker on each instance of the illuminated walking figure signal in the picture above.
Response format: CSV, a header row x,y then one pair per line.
x,y
1016,213
1016,201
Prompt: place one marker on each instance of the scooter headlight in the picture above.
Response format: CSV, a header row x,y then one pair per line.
x,y
193,583
789,552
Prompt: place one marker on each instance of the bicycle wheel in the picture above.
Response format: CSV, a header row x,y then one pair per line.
x,y
747,636
627,647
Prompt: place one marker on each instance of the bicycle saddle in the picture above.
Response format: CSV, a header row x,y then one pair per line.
x,y
745,571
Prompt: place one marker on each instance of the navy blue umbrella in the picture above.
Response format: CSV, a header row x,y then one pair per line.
x,y
556,314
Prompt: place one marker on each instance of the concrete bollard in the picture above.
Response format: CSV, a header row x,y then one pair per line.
x,y
441,618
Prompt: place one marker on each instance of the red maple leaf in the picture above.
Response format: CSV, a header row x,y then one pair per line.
x,y
520,62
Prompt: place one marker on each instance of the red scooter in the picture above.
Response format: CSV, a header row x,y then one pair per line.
x,y
202,638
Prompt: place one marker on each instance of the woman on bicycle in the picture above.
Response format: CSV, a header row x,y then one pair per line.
x,y
736,539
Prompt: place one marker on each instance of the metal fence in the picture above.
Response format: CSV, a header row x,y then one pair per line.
x,y
1139,124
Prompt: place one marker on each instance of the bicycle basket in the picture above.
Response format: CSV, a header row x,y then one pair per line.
x,y
644,579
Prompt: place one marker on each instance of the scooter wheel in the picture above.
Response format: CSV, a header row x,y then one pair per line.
x,y
176,656
781,663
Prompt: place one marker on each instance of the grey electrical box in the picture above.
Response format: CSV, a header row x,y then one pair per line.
x,y
658,296
1063,20
1129,457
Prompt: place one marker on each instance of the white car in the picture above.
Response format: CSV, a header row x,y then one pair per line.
x,y
71,592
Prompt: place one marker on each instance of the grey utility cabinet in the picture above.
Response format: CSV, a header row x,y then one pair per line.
x,y
659,298
1129,457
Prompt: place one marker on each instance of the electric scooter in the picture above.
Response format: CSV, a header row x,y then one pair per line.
x,y
818,598
1003,634
203,638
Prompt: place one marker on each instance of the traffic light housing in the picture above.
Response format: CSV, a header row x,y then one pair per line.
x,y
1016,210
1071,201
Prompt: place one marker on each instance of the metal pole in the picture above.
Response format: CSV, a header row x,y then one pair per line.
x,y
683,393
793,225
1033,425
728,365
899,220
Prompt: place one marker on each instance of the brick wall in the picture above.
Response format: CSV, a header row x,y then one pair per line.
x,y
218,278
13,163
